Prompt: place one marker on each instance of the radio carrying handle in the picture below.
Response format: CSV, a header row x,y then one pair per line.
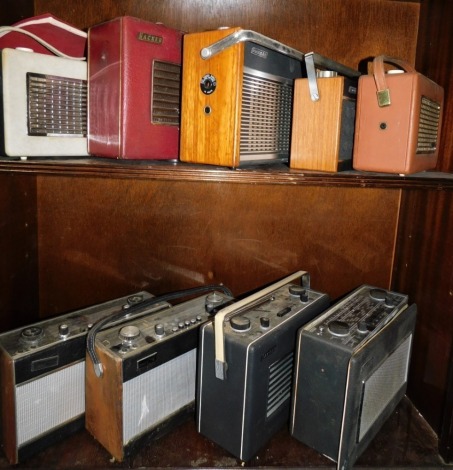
x,y
244,35
221,365
315,61
382,89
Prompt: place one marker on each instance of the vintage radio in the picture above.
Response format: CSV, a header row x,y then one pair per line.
x,y
134,69
246,364
237,92
143,380
350,372
44,105
399,118
323,116
43,377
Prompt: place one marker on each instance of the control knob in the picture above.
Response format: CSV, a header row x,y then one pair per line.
x,y
63,330
129,333
339,328
240,323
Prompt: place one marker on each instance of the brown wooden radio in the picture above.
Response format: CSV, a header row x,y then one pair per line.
x,y
323,116
237,91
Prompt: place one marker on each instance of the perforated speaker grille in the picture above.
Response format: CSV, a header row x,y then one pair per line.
x,y
280,380
428,126
166,93
266,116
56,105
385,382
50,401
151,397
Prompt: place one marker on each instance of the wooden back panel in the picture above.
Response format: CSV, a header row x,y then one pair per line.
x,y
316,128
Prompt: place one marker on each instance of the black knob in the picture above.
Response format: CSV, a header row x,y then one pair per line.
x,y
265,322
240,323
378,294
339,328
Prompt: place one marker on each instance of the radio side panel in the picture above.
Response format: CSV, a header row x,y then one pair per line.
x,y
220,403
210,123
103,407
8,421
319,393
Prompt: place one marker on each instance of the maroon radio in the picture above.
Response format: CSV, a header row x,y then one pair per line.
x,y
134,69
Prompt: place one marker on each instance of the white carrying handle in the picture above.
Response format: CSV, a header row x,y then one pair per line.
x,y
220,361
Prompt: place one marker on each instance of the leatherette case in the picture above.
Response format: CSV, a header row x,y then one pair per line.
x,y
134,89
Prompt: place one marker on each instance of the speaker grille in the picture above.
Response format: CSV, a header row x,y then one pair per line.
x,y
385,382
428,126
280,380
266,116
166,93
56,106
155,395
50,401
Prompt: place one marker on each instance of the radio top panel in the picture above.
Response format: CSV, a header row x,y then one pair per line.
x,y
358,317
136,336
49,332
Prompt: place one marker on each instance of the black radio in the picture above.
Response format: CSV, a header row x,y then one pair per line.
x,y
42,376
351,371
246,364
143,380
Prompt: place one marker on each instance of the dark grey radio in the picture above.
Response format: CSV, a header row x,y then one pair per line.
x,y
42,377
143,380
351,371
246,364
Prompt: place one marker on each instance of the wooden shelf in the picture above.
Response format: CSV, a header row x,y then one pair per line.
x,y
275,174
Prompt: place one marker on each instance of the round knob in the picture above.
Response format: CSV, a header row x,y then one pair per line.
x,y
389,302
129,333
296,290
159,329
339,328
378,294
362,327
32,333
212,301
63,330
265,322
240,323
134,299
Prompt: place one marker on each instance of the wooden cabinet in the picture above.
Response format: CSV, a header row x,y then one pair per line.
x,y
83,231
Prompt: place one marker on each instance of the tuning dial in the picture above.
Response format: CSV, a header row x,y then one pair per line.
x,y
378,294
212,301
32,334
129,333
339,328
299,291
240,323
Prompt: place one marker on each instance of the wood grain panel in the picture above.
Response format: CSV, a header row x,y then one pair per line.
x,y
102,238
347,31
424,270
18,248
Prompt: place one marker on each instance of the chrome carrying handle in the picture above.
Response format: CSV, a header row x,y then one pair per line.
x,y
221,365
244,35
314,61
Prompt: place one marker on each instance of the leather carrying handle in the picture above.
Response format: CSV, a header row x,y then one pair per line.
x,y
382,90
